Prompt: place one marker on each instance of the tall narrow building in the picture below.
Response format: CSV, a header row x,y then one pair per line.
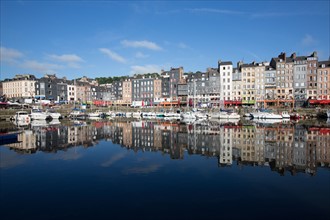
x,y
226,71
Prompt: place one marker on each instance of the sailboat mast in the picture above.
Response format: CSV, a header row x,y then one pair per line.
x,y
194,93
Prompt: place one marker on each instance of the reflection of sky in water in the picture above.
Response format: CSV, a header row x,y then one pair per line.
x,y
113,159
9,159
109,181
67,155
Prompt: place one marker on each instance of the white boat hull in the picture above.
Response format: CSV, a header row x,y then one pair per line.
x,y
55,115
39,116
188,116
225,115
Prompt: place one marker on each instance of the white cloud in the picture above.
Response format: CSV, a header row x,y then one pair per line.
x,y
66,58
9,54
141,44
71,60
182,46
41,67
212,10
141,55
145,69
113,55
308,40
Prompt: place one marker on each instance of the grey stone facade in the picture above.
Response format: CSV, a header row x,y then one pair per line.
x,y
300,80
270,83
143,90
50,87
170,81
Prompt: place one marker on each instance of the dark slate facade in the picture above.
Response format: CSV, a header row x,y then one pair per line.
x,y
170,81
50,87
143,90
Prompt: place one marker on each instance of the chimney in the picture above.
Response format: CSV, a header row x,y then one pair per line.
x,y
239,64
293,56
314,54
282,56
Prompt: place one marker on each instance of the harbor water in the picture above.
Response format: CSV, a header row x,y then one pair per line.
x,y
167,170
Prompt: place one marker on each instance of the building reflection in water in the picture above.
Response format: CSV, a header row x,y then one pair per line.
x,y
282,147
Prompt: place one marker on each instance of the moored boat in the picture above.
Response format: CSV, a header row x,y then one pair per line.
x,y
225,115
53,114
21,119
285,114
97,113
38,114
295,116
22,116
200,115
136,114
188,115
77,114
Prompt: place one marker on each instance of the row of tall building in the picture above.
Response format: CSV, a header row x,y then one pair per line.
x,y
296,148
285,79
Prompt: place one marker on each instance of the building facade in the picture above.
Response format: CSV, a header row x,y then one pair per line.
x,y
21,86
323,84
300,80
312,62
127,91
225,70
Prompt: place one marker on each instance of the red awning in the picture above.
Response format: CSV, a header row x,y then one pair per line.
x,y
325,102
316,101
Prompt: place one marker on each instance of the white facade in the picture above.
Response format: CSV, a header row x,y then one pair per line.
x,y
226,70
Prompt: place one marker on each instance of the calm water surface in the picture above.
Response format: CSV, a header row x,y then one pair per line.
x,y
163,170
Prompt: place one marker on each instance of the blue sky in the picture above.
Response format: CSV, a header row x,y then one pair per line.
x,y
110,38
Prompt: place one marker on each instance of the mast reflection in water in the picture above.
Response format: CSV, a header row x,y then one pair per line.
x,y
164,170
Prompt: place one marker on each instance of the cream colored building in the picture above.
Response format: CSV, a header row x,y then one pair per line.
x,y
284,76
127,134
127,92
260,81
157,89
26,142
323,78
248,84
22,86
